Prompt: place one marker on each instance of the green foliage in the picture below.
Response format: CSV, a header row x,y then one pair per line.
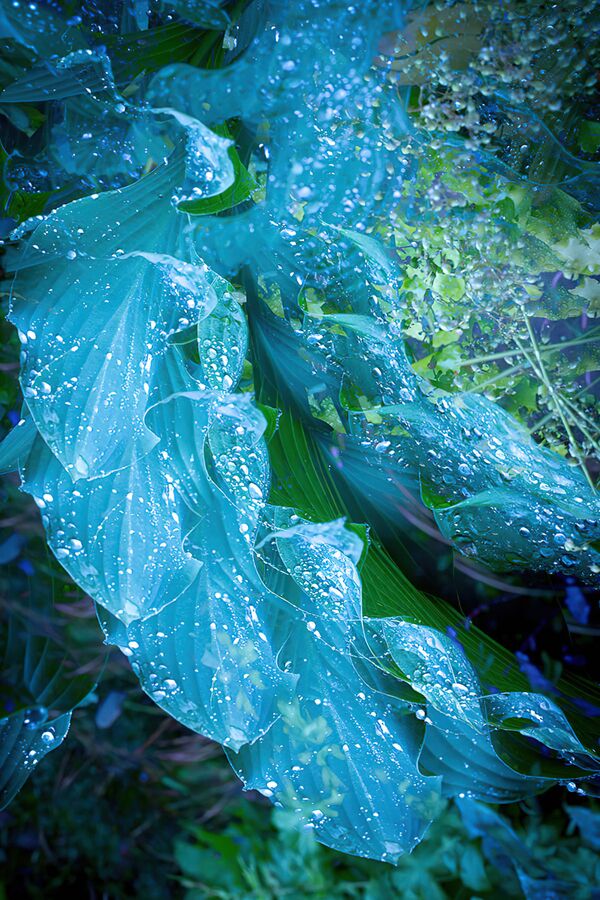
x,y
42,679
243,187
99,818
155,798
483,310
589,136
263,856
15,204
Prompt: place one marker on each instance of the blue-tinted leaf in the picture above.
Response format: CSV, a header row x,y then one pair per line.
x,y
38,28
349,770
23,746
114,310
458,743
588,823
538,876
120,536
209,657
16,445
38,691
243,620
206,13
10,548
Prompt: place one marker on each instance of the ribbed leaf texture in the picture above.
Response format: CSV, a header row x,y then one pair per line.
x,y
263,225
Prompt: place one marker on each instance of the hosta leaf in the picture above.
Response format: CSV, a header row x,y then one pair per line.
x,y
38,28
336,768
242,189
537,873
208,657
464,449
242,618
77,73
113,321
22,747
114,311
542,720
27,118
36,668
16,446
37,694
435,666
304,478
459,715
120,536
151,49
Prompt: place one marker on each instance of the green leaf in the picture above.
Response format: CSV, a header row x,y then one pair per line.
x,y
241,190
25,117
450,287
589,136
151,50
15,204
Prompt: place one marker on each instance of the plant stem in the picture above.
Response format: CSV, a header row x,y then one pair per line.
x,y
491,357
542,374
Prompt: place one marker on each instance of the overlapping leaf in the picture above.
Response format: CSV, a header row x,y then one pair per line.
x,y
149,462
